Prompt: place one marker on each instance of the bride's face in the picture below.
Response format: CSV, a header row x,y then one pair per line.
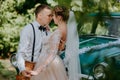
x,y
55,19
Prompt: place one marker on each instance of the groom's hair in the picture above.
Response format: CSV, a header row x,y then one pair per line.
x,y
40,8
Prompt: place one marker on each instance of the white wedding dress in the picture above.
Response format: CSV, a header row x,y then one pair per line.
x,y
54,68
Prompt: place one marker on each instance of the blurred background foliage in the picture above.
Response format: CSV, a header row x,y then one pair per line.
x,y
15,14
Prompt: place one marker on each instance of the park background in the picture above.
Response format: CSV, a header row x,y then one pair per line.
x,y
15,14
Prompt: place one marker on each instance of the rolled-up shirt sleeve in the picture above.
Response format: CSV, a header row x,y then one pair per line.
x,y
23,47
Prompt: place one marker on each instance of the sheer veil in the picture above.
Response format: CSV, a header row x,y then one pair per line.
x,y
72,48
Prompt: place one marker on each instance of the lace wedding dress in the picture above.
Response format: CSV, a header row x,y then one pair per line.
x,y
53,65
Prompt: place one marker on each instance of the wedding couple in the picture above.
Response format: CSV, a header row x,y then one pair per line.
x,y
41,47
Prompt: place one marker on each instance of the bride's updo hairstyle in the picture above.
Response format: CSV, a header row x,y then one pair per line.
x,y
61,11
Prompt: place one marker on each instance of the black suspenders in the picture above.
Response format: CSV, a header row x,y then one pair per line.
x,y
32,58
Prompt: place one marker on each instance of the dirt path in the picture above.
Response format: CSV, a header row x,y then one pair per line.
x,y
6,63
8,72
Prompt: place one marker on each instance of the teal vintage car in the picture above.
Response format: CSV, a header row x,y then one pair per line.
x,y
100,57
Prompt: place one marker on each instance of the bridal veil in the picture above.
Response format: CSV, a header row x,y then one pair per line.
x,y
72,49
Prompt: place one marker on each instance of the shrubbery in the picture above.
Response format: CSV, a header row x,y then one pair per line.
x,y
11,23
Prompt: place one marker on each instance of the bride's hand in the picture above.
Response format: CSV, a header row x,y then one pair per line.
x,y
33,73
37,71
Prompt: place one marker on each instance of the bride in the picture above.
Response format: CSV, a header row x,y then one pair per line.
x,y
49,65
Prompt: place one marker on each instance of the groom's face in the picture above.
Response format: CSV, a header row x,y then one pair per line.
x,y
45,16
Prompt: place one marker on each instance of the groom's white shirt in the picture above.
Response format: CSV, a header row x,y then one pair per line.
x,y
26,44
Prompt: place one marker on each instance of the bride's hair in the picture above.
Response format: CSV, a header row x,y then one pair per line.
x,y
61,11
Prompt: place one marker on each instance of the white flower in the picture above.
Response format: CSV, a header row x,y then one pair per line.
x,y
53,3
76,5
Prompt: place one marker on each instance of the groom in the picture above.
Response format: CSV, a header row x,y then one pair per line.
x,y
43,14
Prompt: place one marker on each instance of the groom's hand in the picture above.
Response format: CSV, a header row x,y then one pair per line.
x,y
26,73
